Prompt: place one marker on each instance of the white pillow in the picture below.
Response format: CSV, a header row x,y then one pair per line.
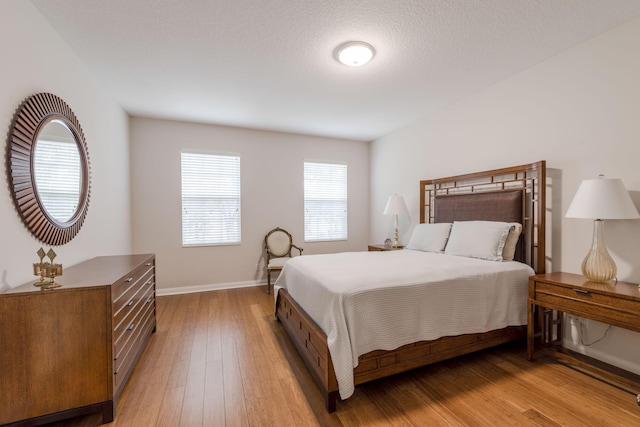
x,y
478,239
430,237
509,250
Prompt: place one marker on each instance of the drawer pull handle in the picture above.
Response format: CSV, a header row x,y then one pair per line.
x,y
148,300
148,264
581,291
130,303
130,327
129,279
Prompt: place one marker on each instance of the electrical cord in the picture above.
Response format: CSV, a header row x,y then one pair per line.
x,y
594,342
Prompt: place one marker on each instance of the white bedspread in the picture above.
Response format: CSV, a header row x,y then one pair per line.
x,y
367,301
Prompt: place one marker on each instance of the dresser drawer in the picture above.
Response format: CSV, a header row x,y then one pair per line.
x,y
130,300
123,288
583,300
135,340
125,331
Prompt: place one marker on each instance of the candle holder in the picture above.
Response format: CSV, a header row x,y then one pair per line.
x,y
48,271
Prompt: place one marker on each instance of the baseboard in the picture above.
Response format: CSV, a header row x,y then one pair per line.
x,y
209,287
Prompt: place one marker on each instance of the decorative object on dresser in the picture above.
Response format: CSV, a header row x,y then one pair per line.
x,y
552,294
601,199
278,244
47,271
395,206
69,351
48,168
513,194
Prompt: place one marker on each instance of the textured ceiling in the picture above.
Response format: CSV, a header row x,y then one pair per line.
x,y
268,64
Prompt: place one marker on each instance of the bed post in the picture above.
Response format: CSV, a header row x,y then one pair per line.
x,y
541,211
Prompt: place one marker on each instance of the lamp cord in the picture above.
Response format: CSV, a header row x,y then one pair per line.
x,y
594,342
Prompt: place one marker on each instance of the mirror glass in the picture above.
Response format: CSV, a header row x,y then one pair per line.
x,y
57,171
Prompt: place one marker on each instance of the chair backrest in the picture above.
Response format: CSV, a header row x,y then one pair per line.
x,y
278,242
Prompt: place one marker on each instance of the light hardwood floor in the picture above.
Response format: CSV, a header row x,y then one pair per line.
x,y
220,359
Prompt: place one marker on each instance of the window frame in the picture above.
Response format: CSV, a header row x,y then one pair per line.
x,y
238,178
345,200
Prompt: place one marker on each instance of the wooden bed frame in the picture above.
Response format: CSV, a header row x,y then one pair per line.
x,y
473,190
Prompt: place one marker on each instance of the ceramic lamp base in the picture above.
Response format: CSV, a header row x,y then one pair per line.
x,y
598,266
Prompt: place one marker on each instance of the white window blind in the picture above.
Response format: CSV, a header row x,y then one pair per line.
x,y
325,201
210,199
58,177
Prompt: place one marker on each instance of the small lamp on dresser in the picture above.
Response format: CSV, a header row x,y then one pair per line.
x,y
396,206
601,199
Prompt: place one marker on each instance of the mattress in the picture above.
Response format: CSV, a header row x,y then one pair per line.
x,y
365,301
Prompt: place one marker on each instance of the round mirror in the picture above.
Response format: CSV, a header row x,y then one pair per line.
x,y
49,168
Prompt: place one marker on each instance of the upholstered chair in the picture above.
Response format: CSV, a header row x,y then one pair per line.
x,y
278,244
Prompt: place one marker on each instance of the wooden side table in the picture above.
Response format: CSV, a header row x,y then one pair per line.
x,y
552,294
381,248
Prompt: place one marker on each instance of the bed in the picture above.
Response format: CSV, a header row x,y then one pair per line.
x,y
326,337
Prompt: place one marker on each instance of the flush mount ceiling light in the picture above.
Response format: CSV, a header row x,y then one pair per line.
x,y
354,54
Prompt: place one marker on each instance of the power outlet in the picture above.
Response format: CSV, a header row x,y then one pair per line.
x,y
575,320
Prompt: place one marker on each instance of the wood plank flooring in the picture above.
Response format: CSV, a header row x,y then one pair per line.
x,y
220,359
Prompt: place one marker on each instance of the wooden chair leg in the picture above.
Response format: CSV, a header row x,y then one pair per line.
x,y
269,282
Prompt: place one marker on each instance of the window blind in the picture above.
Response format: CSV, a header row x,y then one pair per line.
x,y
325,201
58,176
210,199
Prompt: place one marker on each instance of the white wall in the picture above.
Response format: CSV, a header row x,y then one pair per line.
x,y
272,196
35,59
579,111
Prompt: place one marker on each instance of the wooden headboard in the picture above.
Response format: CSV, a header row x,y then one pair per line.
x,y
513,194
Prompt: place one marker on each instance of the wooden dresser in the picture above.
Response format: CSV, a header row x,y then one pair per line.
x,y
69,351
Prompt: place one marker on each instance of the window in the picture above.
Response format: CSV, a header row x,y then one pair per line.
x,y
210,199
325,201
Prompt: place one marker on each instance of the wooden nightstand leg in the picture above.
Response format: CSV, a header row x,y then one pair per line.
x,y
548,326
530,331
558,324
541,327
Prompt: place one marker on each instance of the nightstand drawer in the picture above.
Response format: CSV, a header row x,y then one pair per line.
x,y
585,301
544,290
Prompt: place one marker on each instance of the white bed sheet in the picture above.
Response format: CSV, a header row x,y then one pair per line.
x,y
365,301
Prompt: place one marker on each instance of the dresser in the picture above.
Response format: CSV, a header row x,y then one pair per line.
x,y
69,351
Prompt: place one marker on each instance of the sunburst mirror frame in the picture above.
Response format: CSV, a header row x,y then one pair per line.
x,y
32,115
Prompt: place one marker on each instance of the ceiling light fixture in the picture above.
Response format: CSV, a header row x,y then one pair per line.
x,y
354,54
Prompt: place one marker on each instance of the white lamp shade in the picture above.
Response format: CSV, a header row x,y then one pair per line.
x,y
395,206
602,199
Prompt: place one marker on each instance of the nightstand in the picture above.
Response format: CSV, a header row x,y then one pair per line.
x,y
381,248
552,294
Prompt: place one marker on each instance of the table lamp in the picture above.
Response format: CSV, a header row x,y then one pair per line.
x,y
601,199
396,206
